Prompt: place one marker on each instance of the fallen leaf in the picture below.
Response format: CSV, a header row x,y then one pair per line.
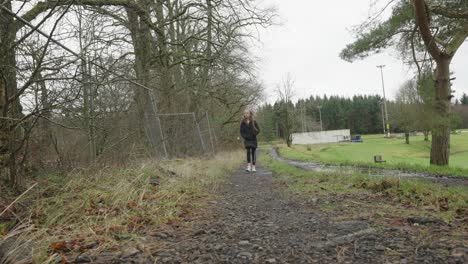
x,y
60,247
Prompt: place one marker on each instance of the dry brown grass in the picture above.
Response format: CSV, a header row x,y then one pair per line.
x,y
115,204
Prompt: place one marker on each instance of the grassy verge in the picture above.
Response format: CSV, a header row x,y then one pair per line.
x,y
397,154
428,199
100,210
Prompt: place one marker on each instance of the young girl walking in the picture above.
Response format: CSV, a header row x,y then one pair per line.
x,y
249,130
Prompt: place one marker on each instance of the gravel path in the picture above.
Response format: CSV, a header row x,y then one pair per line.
x,y
254,220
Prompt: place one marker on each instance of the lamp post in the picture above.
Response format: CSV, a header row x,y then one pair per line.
x,y
320,113
384,100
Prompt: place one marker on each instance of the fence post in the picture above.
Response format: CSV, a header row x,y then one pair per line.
x,y
209,132
215,138
158,121
199,132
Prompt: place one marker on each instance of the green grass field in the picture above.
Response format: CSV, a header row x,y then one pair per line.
x,y
397,154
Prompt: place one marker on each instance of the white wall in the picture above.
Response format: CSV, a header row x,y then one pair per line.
x,y
321,137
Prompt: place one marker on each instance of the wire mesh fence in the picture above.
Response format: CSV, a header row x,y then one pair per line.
x,y
174,135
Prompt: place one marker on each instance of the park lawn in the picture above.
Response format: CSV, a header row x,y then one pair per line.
x,y
397,154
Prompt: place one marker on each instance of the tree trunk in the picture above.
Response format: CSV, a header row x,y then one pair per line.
x,y
10,110
147,108
140,47
407,137
177,71
209,40
88,111
426,135
165,73
4,133
88,95
440,151
46,137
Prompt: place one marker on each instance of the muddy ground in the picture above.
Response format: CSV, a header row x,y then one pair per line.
x,y
254,219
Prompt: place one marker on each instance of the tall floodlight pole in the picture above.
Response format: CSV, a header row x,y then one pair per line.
x,y
384,100
383,116
320,113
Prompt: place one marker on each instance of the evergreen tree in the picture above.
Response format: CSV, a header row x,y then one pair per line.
x,y
464,99
266,119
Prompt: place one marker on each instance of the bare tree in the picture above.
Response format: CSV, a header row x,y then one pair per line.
x,y
406,112
136,59
285,92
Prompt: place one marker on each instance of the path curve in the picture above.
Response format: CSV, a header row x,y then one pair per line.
x,y
378,172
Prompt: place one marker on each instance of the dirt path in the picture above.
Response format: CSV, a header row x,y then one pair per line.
x,y
254,220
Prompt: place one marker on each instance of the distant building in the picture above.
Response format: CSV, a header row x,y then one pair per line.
x,y
321,137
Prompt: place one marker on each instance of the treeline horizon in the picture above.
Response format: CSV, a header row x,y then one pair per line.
x,y
362,114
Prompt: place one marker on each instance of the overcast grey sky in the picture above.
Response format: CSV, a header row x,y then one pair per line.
x,y
309,41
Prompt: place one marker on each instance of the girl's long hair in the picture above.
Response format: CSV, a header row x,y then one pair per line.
x,y
251,120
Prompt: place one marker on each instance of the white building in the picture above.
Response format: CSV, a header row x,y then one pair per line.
x,y
320,137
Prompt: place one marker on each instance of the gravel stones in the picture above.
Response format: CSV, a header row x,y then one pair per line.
x,y
258,221
244,243
245,254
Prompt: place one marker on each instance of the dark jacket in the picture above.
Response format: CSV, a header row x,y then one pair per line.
x,y
249,134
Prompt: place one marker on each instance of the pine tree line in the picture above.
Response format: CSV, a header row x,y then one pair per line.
x,y
362,114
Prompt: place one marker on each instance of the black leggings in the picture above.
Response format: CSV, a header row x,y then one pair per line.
x,y
251,155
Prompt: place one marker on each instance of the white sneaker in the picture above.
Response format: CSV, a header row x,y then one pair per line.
x,y
249,168
253,168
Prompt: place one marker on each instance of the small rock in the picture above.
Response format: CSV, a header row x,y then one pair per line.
x,y
199,232
162,235
244,243
245,254
83,258
218,247
129,252
166,260
380,248
314,201
271,261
